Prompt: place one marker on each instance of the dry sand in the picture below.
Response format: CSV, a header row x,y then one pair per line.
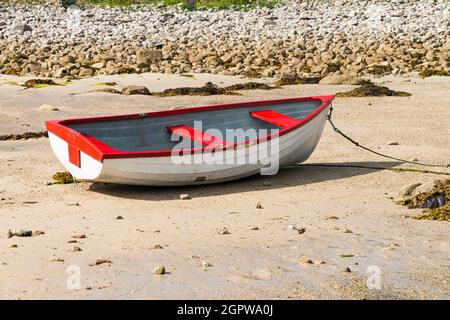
x,y
412,256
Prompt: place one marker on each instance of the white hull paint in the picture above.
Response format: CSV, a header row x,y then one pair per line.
x,y
294,147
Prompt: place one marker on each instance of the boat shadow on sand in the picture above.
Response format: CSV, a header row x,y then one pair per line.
x,y
287,177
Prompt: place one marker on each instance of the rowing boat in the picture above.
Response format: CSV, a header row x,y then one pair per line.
x,y
198,145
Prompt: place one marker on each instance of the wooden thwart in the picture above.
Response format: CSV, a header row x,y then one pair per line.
x,y
275,118
197,135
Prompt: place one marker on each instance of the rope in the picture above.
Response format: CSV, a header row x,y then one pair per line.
x,y
356,143
358,166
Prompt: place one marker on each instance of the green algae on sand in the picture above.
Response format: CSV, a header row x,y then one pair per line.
x,y
39,83
427,200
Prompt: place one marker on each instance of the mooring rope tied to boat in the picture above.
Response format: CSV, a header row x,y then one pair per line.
x,y
356,143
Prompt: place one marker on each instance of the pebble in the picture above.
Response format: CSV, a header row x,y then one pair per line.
x,y
393,143
56,259
47,107
119,218
259,206
13,246
347,269
79,236
159,270
157,247
102,261
185,196
206,264
75,249
254,228
223,231
306,261
19,233
299,230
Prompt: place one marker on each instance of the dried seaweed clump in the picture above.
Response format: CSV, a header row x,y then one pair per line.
x,y
292,79
436,203
369,89
430,72
63,178
249,86
39,83
24,136
209,89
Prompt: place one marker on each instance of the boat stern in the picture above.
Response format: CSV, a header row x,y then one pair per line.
x,y
68,150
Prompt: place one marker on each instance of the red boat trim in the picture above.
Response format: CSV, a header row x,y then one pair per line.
x,y
275,118
74,155
197,135
100,151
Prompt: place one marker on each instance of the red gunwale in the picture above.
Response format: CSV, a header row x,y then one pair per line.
x,y
100,151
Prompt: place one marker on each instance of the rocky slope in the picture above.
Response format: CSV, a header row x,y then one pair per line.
x,y
306,38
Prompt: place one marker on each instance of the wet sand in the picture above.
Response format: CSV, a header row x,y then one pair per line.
x,y
371,232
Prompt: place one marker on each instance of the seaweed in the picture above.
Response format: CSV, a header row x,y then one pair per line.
x,y
379,70
249,86
430,72
369,89
334,66
63,178
24,136
39,83
101,84
126,70
293,79
209,89
252,74
435,202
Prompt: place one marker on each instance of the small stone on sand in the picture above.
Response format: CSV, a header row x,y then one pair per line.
x,y
102,261
259,206
159,270
223,231
185,196
393,143
75,249
157,247
119,218
79,236
47,107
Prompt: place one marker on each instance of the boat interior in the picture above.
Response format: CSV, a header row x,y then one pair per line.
x,y
202,128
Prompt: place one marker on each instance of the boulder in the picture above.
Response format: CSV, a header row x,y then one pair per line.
x,y
132,90
149,57
427,187
408,189
23,28
64,61
86,72
335,79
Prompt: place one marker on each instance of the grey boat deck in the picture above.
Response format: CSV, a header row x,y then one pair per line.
x,y
150,133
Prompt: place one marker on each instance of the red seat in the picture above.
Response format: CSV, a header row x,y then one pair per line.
x,y
196,135
275,118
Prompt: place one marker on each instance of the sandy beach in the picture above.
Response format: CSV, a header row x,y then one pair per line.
x,y
354,229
